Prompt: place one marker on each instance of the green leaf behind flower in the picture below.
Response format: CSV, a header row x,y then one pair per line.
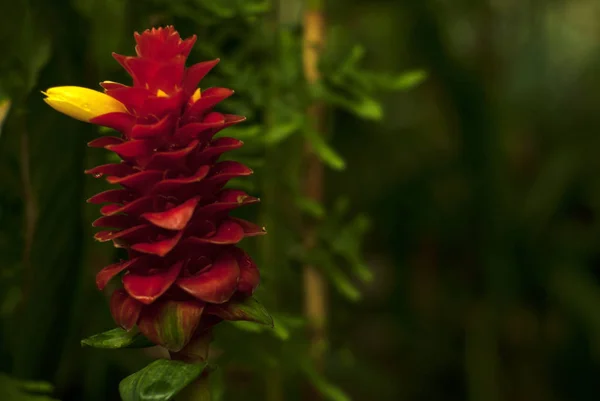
x,y
117,338
248,309
12,389
325,152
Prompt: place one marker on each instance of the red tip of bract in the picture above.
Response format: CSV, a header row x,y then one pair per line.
x,y
162,44
106,274
215,284
249,275
168,208
124,309
175,218
146,288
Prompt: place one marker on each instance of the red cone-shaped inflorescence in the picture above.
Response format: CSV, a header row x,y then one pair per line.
x,y
171,211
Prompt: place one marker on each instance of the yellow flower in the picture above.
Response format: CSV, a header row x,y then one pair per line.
x,y
82,103
196,96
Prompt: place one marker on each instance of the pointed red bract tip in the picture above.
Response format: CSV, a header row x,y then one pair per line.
x,y
162,43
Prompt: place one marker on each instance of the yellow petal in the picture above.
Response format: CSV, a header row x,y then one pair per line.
x,y
82,103
196,96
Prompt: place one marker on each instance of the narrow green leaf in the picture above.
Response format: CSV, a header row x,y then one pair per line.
x,y
107,130
357,54
21,390
35,386
248,326
220,10
346,241
160,381
326,153
341,207
356,101
40,53
328,390
117,338
324,260
244,133
368,108
282,131
283,326
311,207
113,158
407,80
281,331
256,7
248,309
243,184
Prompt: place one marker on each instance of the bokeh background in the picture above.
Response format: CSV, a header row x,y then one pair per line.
x,y
472,193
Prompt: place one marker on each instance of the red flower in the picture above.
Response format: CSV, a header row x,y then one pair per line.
x,y
171,211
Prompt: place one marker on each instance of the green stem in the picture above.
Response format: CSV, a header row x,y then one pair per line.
x,y
196,352
197,391
315,285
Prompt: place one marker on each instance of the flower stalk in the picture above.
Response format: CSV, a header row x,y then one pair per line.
x,y
196,352
315,288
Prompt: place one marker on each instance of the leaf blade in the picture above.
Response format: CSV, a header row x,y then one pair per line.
x,y
161,380
248,310
117,338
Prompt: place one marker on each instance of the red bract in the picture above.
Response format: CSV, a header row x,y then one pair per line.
x,y
171,210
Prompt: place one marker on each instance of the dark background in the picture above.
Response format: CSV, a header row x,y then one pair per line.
x,y
481,186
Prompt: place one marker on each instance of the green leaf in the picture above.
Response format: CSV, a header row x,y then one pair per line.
x,y
328,390
341,207
357,102
24,390
347,243
35,386
283,326
324,151
242,183
26,50
281,131
112,157
117,338
258,7
367,108
218,8
407,80
281,331
160,381
244,133
248,326
324,260
358,53
310,206
107,131
38,59
248,309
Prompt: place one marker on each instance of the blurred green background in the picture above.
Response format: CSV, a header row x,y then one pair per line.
x,y
480,185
